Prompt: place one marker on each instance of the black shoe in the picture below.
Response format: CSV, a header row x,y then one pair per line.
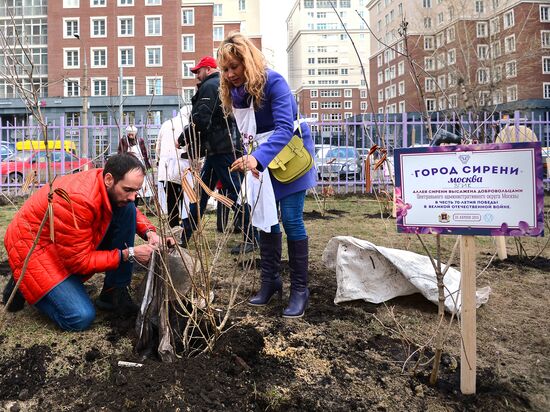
x,y
242,248
18,302
117,300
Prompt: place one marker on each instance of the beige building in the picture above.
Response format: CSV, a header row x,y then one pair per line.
x,y
324,69
462,55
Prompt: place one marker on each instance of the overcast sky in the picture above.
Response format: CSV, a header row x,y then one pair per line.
x,y
274,36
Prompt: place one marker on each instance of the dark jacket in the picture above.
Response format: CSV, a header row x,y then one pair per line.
x,y
207,115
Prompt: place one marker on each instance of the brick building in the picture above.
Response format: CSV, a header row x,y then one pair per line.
x,y
465,56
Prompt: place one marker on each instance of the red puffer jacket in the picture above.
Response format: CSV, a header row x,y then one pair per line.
x,y
74,250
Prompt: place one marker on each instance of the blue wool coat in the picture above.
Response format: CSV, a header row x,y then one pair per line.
x,y
277,112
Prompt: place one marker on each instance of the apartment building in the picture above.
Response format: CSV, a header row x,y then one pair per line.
x,y
461,55
131,53
325,71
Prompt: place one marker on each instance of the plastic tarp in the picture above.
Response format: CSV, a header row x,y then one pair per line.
x,y
377,274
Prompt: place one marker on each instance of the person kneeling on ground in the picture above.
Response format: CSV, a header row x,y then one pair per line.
x,y
94,232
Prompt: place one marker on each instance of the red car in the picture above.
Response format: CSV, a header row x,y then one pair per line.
x,y
16,168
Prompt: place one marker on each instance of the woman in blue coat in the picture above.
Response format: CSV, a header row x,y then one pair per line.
x,y
267,116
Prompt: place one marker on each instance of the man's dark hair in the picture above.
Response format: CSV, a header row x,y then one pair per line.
x,y
120,164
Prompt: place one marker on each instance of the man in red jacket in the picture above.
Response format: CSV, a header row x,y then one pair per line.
x,y
94,231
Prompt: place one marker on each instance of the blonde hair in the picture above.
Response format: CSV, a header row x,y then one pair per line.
x,y
238,46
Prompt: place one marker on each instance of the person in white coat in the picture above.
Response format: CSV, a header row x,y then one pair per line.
x,y
171,166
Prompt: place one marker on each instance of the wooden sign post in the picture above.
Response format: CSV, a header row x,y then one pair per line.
x,y
468,357
470,190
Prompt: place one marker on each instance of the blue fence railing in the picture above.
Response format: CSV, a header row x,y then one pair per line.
x,y
341,147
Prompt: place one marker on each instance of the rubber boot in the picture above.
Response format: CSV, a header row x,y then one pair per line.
x,y
270,264
18,301
299,293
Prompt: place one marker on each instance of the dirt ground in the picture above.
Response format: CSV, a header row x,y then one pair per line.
x,y
346,357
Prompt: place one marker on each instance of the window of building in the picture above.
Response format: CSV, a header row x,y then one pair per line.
x,y
510,44
440,18
494,25
380,77
479,6
430,105
314,105
481,29
401,107
345,4
512,93
545,38
442,82
546,65
126,26
451,56
496,4
483,75
72,88
99,57
70,27
429,63
442,103
311,72
99,87
453,101
497,73
401,88
429,84
428,42
508,19
379,60
482,51
451,79
71,4
451,34
313,93
498,97
128,86
426,4
187,42
362,94
380,95
439,40
331,93
348,105
544,13
427,22
153,86
153,56
187,17
363,106
153,25
344,72
98,3
126,56
511,69
218,10
348,93
242,5
495,49
546,90
71,58
186,66
218,33
123,3
308,4
98,27
451,13
401,68
187,93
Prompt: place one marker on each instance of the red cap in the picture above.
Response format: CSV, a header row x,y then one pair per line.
x,y
205,62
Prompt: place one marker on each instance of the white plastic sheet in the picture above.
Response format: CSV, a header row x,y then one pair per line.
x,y
377,274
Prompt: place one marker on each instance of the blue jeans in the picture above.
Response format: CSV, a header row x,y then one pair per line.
x,y
292,216
68,303
216,167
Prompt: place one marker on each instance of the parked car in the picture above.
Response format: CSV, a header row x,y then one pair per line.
x,y
6,150
17,167
340,162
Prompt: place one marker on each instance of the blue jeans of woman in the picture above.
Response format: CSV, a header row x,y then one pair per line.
x,y
68,303
291,208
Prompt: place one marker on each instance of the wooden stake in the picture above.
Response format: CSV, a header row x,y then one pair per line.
x,y
501,247
468,355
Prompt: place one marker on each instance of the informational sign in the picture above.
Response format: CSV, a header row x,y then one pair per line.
x,y
489,189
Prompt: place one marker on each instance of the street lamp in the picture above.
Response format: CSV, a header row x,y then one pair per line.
x,y
84,149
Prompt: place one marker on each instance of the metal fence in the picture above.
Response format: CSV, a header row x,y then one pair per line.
x,y
341,147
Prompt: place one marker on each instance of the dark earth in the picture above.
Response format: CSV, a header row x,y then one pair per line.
x,y
337,358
